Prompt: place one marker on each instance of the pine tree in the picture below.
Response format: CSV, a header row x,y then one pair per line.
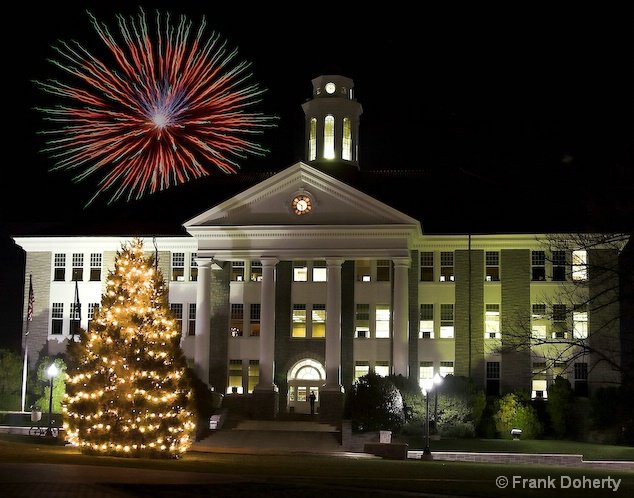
x,y
128,392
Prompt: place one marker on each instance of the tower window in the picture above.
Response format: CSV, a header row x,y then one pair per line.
x,y
329,137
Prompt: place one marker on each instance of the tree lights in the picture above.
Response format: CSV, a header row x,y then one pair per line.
x,y
127,391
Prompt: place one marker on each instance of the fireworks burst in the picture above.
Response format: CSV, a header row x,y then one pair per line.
x,y
163,114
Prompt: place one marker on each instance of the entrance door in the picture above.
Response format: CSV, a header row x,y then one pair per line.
x,y
304,377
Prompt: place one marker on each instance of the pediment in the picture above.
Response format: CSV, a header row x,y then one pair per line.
x,y
269,203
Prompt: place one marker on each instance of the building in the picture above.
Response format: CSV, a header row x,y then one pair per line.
x,y
303,282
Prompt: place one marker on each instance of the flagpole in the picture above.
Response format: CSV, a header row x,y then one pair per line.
x,y
29,317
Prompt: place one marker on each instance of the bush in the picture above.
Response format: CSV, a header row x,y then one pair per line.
x,y
515,412
374,403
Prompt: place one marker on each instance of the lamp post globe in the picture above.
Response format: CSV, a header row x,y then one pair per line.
x,y
51,372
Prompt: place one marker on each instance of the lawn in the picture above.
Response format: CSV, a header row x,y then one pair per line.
x,y
319,475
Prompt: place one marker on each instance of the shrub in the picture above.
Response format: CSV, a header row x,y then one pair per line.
x,y
374,403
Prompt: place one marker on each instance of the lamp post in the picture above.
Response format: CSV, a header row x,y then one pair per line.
x,y
427,386
51,372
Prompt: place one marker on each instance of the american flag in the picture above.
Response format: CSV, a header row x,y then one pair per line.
x,y
31,299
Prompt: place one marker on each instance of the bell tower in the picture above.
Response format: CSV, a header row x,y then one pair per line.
x,y
332,126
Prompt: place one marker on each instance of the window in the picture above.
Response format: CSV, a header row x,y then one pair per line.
x,y
363,268
318,321
59,271
581,379
361,368
254,320
177,311
559,321
492,322
256,271
300,271
579,265
237,271
237,320
57,318
312,141
539,384
329,137
235,377
426,327
178,266
493,378
299,320
382,368
193,267
559,266
346,145
427,266
254,374
539,321
538,266
580,322
95,267
446,321
383,267
362,321
77,273
492,260
191,321
320,271
92,309
446,368
382,330
75,318
425,373
446,267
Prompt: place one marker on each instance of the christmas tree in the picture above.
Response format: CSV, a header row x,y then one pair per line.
x,y
128,391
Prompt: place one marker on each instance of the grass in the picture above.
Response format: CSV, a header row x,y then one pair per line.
x,y
317,475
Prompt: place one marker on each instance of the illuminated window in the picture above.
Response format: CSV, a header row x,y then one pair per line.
x,y
446,266
318,321
235,377
560,324
329,137
178,266
237,271
254,320
59,272
580,322
426,325
382,330
299,320
580,265
382,368
539,384
425,373
320,271
363,268
362,321
492,321
427,266
539,321
361,368
254,374
492,266
256,271
446,368
95,267
193,271
300,271
312,141
446,321
78,267
346,146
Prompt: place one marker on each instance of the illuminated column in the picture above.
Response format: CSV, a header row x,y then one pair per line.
x,y
400,330
267,326
333,325
203,298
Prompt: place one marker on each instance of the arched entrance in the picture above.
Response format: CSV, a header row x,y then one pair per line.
x,y
303,377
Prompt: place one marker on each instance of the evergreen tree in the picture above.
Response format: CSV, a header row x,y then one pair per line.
x,y
127,391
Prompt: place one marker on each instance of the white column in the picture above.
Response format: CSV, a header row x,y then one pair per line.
x,y
267,326
333,325
400,324
203,298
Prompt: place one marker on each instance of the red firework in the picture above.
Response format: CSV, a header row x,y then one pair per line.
x,y
160,115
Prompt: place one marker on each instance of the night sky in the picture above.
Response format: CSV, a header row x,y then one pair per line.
x,y
507,92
